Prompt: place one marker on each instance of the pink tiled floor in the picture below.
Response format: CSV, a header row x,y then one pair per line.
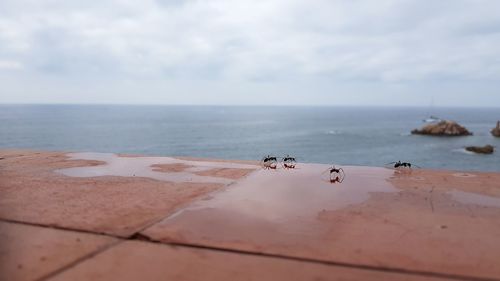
x,y
379,224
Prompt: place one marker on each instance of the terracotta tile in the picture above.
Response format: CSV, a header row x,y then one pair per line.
x,y
430,221
31,252
33,191
147,261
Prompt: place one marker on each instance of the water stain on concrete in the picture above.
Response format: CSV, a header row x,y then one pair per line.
x,y
279,194
148,167
370,219
288,202
473,198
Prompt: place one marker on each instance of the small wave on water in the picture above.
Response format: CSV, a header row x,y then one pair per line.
x,y
355,136
333,132
463,150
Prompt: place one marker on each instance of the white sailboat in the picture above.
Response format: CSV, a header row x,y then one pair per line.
x,y
432,118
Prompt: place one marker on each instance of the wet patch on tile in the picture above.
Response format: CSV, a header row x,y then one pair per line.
x,y
119,205
369,219
475,199
177,170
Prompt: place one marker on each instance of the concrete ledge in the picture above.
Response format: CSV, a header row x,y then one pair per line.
x,y
216,220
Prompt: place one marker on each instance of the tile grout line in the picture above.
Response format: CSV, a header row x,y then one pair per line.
x,y
80,260
316,261
137,236
339,264
63,228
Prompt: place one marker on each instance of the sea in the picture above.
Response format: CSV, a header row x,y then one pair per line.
x,y
367,136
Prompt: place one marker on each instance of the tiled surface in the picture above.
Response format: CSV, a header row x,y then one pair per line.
x,y
277,225
419,221
31,252
32,192
147,261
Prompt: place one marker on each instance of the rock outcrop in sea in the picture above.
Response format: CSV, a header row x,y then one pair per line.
x,y
443,128
496,131
487,149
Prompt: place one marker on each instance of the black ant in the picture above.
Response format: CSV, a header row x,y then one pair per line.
x,y
336,174
289,162
269,162
400,164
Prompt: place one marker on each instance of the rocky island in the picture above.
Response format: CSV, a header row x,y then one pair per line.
x,y
496,131
487,149
443,128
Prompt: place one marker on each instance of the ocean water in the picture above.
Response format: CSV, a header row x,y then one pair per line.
x,y
370,136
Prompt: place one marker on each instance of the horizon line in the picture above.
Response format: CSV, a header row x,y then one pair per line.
x,y
249,105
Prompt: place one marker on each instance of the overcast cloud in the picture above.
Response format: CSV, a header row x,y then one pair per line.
x,y
251,52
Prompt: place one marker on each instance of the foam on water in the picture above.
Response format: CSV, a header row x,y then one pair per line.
x,y
463,150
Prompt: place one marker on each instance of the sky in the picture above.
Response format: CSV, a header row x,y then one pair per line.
x,y
272,52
